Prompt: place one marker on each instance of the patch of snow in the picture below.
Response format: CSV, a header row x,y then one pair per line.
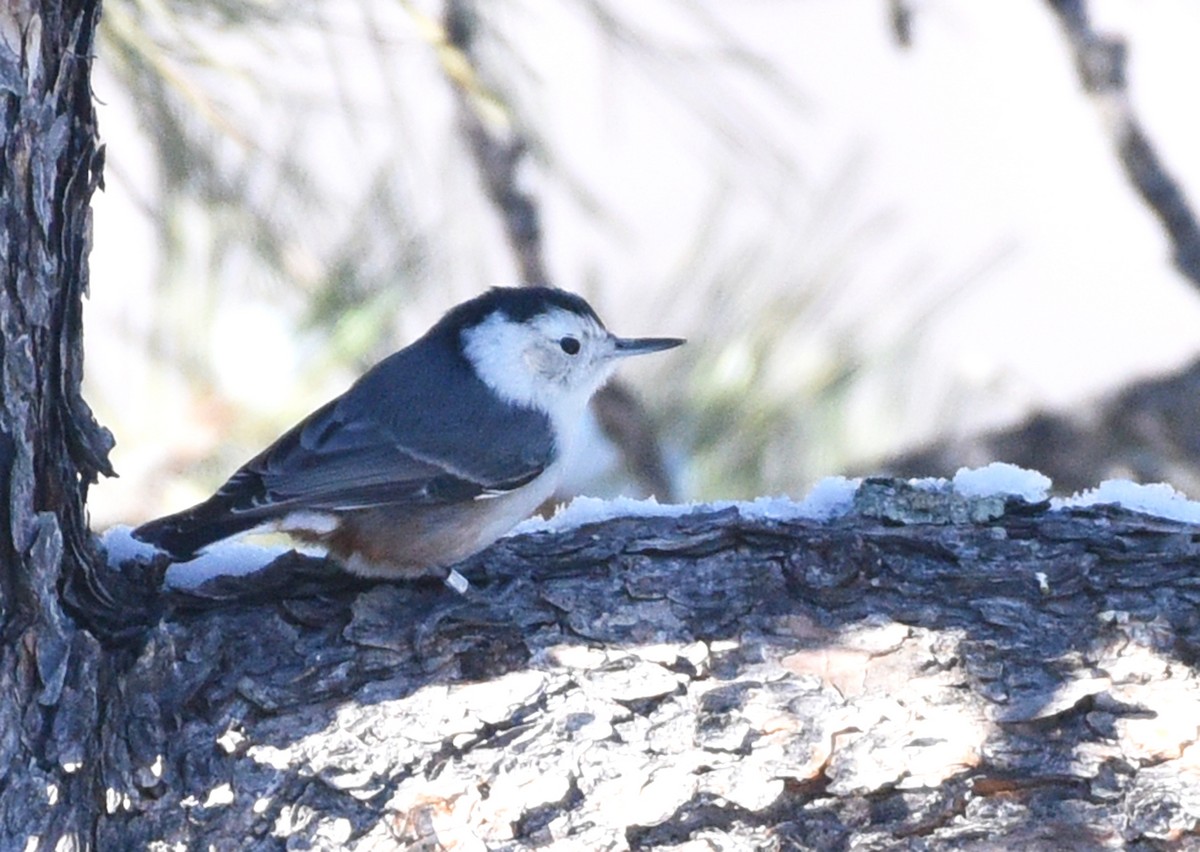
x,y
832,497
224,559
120,546
1158,499
829,498
592,510
1002,478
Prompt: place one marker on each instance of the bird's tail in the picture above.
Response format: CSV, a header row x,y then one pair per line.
x,y
184,534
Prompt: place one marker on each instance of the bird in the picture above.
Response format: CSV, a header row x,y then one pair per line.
x,y
436,451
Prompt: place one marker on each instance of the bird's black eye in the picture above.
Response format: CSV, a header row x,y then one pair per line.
x,y
569,345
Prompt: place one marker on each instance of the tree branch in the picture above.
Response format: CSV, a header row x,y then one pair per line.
x,y
1100,61
926,667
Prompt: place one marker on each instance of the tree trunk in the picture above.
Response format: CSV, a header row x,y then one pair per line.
x,y
51,671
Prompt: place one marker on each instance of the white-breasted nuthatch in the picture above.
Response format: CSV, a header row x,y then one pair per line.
x,y
436,451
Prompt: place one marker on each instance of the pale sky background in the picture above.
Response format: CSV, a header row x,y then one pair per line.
x,y
950,217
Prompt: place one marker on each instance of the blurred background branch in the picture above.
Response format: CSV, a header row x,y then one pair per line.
x,y
499,150
1102,64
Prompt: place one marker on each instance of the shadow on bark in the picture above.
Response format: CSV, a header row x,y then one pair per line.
x,y
927,671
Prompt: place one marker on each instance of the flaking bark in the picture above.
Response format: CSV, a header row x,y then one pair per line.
x,y
926,672
52,673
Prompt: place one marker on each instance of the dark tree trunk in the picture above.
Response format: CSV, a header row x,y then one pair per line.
x,y
50,446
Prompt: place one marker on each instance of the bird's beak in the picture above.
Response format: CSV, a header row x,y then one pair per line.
x,y
625,346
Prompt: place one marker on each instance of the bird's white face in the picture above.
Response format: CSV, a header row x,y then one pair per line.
x,y
554,361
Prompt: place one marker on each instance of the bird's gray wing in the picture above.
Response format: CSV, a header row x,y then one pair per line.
x,y
337,459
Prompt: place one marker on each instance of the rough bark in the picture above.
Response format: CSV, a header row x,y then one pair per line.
x,y
926,672
52,673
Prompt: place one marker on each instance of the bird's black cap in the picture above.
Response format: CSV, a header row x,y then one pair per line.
x,y
519,304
